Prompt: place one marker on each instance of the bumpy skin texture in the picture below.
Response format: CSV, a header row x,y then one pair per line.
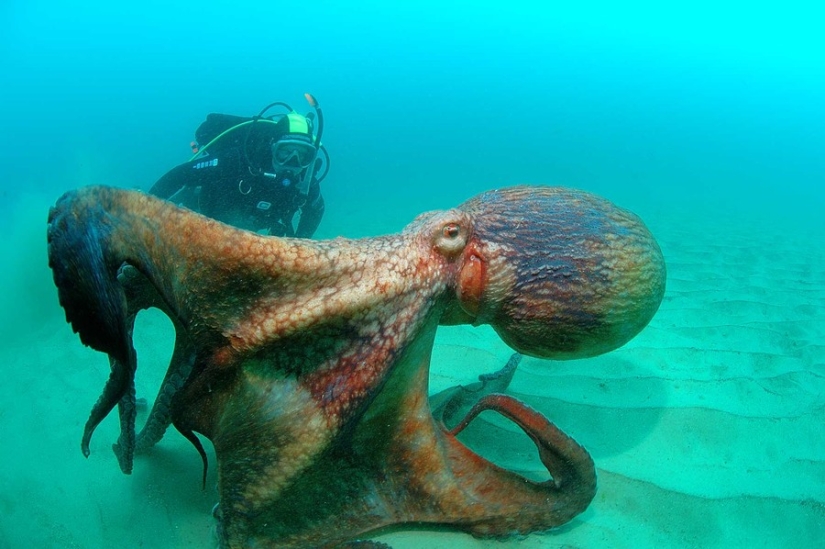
x,y
306,363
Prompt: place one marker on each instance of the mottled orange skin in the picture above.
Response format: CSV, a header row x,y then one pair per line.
x,y
311,359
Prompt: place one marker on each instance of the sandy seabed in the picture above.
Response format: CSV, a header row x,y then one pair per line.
x,y
706,430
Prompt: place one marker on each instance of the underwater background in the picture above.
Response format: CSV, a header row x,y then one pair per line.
x,y
705,118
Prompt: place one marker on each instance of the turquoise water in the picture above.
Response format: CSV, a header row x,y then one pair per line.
x,y
707,121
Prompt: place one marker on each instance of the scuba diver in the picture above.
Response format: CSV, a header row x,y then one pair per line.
x,y
255,172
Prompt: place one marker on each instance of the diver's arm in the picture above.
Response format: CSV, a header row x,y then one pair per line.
x,y
311,212
173,181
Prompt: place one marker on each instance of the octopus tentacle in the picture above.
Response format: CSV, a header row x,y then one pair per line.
x,y
465,490
116,391
571,467
140,295
453,404
124,448
88,289
94,254
195,441
160,417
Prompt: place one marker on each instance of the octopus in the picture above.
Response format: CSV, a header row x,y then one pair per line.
x,y
305,363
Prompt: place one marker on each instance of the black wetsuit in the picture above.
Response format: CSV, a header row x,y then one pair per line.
x,y
239,188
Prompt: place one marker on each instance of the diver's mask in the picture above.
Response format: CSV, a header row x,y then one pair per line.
x,y
293,153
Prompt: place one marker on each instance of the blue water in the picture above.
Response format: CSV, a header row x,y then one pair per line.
x,y
688,115
432,101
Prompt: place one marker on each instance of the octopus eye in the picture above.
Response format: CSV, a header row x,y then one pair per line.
x,y
450,238
451,230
